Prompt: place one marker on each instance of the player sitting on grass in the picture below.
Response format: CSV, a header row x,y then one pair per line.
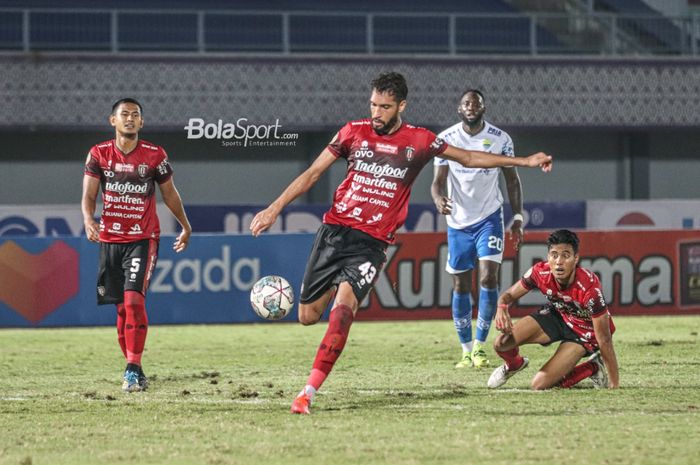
x,y
576,314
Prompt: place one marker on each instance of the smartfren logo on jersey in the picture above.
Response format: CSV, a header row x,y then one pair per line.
x,y
379,170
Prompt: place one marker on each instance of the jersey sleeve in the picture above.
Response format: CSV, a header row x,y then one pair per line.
x,y
340,145
508,148
436,145
595,302
92,165
437,161
163,171
528,279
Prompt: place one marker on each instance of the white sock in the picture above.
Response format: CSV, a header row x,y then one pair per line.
x,y
467,346
309,391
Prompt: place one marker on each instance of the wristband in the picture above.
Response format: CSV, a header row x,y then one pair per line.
x,y
503,305
518,217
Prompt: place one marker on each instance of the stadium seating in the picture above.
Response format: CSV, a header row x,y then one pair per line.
x,y
657,32
249,26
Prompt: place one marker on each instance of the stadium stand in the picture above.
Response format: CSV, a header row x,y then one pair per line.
x,y
651,27
247,26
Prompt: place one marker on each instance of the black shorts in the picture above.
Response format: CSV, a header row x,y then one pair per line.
x,y
125,267
554,326
342,254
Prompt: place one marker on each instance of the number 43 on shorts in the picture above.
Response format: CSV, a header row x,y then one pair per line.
x,y
368,272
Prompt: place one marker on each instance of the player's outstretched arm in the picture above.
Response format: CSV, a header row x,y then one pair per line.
x,y
601,327
515,196
88,203
266,218
438,190
173,201
477,159
505,300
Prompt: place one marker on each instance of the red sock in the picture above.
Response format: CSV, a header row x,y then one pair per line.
x,y
136,326
332,344
512,358
579,373
121,321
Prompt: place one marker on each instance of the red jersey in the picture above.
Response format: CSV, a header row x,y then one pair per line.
x,y
373,198
128,189
577,304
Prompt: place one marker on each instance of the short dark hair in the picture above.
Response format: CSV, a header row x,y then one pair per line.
x,y
127,100
563,236
393,84
475,91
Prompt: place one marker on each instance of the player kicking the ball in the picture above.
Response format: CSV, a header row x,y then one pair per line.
x,y
384,156
576,315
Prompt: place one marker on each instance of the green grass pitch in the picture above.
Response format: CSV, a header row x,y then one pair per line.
x,y
221,395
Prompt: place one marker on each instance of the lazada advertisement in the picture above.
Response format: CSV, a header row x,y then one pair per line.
x,y
52,281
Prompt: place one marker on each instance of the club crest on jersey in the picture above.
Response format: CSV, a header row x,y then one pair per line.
x,y
142,170
409,151
486,143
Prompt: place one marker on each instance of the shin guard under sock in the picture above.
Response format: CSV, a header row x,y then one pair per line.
x,y
121,322
136,327
332,344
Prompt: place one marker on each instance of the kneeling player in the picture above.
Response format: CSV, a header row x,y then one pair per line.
x,y
576,315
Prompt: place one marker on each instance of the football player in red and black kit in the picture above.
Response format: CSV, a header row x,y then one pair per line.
x,y
576,314
384,156
128,169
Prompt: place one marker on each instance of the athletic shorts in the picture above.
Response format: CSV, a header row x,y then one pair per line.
x,y
342,254
125,267
483,239
554,326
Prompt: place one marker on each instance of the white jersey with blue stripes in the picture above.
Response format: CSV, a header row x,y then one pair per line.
x,y
475,192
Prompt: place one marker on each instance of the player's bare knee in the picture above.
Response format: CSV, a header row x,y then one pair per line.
x,y
461,284
502,342
540,382
308,316
489,281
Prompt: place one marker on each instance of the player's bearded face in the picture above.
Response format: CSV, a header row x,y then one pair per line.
x,y
471,110
562,263
385,112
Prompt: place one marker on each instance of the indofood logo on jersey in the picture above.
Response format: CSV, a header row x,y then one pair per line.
x,y
379,170
126,187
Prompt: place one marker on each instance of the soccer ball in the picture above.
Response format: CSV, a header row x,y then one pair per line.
x,y
272,297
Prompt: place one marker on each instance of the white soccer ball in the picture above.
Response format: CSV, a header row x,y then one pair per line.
x,y
272,297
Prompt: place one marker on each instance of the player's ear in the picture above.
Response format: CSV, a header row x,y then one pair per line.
x,y
112,120
402,106
576,258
